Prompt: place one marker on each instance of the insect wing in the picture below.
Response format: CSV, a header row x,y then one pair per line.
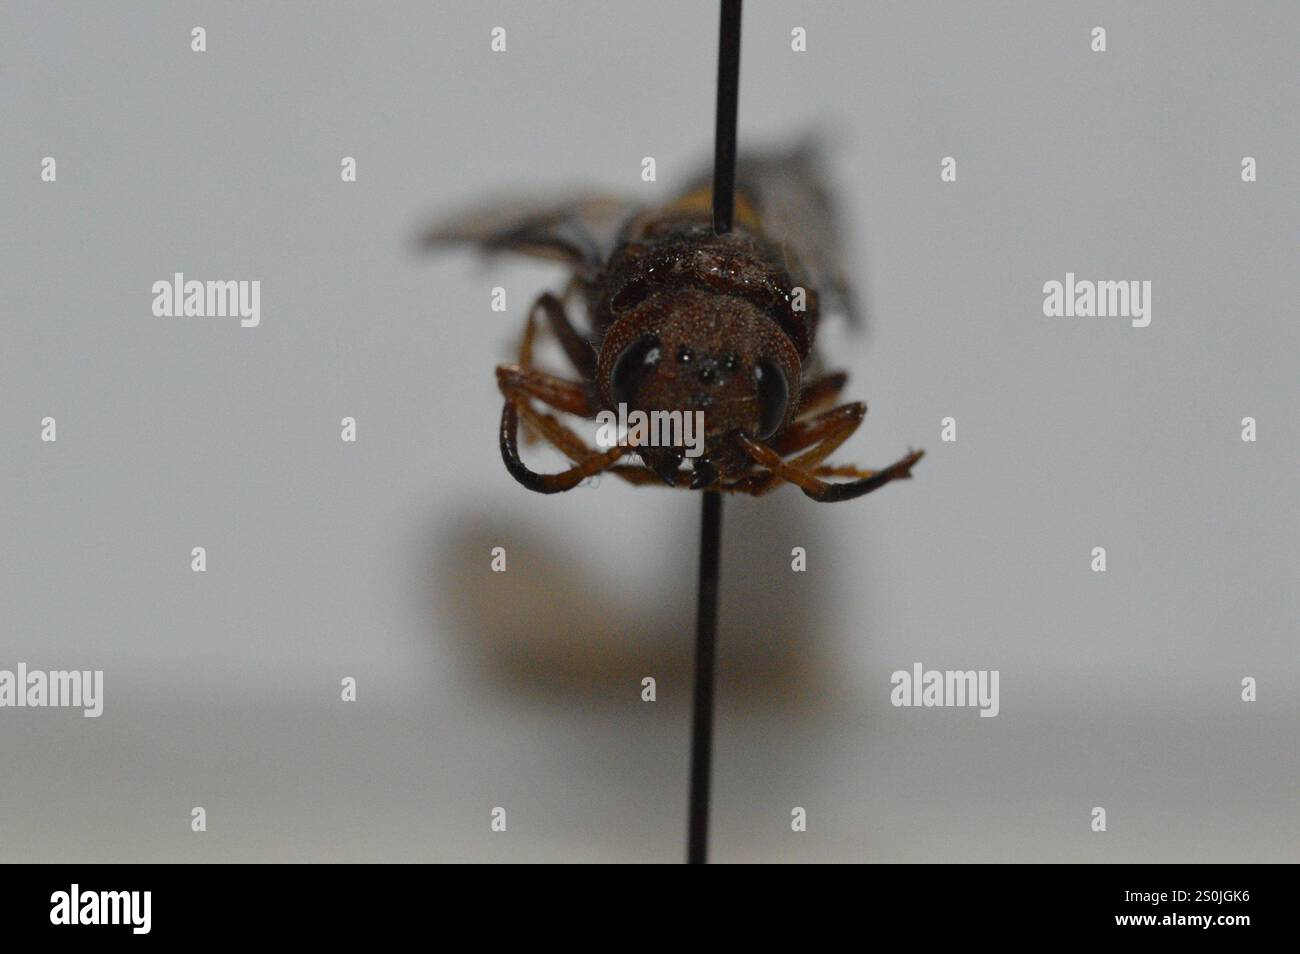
x,y
579,232
788,195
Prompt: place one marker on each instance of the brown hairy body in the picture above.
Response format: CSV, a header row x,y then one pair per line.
x,y
682,319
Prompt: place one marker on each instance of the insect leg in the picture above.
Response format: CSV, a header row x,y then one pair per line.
x,y
826,431
572,397
832,429
547,483
823,432
520,385
841,470
576,347
829,431
822,491
821,392
755,485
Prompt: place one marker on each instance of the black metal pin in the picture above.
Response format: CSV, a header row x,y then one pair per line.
x,y
724,136
706,615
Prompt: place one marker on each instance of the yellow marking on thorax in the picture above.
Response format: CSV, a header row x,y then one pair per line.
x,y
700,202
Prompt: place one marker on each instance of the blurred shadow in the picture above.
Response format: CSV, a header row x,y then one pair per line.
x,y
557,625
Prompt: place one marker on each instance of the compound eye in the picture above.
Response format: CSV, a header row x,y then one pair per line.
x,y
773,397
633,364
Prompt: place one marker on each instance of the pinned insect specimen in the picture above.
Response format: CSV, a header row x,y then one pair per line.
x,y
681,319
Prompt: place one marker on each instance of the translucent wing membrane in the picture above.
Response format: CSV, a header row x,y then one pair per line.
x,y
579,231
